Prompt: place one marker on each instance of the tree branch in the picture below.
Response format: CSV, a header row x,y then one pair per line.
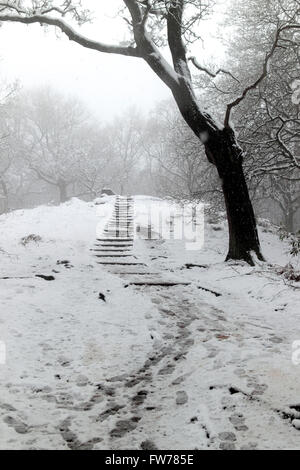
x,y
147,48
42,176
177,48
73,35
263,75
177,80
211,74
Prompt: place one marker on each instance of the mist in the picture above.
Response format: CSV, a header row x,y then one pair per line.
x,y
149,227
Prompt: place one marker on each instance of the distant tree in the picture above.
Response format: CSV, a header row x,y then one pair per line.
x,y
97,166
5,163
48,131
126,136
8,91
286,194
178,168
174,23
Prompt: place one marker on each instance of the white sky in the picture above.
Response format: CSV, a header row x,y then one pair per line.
x,y
107,83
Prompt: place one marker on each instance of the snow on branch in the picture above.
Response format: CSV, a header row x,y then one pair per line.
x,y
264,73
72,34
72,8
285,148
176,45
210,73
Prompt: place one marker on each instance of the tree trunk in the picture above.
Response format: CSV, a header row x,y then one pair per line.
x,y
5,195
243,236
289,220
62,187
223,151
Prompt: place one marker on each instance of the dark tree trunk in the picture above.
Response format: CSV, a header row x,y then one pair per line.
x,y
243,236
62,187
289,220
223,151
5,195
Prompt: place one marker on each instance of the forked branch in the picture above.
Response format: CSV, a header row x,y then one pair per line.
x,y
263,75
209,72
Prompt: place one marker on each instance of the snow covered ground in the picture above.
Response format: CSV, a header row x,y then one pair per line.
x,y
143,367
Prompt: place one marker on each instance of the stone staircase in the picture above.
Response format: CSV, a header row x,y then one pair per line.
x,y
115,246
114,250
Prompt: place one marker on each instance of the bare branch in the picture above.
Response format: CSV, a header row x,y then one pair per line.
x,y
177,48
263,74
208,72
147,48
73,35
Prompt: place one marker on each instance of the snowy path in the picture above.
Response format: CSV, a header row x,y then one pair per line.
x,y
199,385
157,401
96,361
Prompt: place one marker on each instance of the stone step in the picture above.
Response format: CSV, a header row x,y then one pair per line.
x,y
153,283
117,235
125,229
106,229
120,222
112,230
115,239
119,226
111,251
115,256
122,226
116,246
139,274
120,264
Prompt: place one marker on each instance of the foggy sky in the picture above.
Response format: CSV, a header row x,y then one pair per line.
x,y
106,82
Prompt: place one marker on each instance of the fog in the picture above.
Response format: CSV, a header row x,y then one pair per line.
x,y
109,84
149,227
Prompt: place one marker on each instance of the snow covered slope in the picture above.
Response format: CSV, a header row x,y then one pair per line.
x,y
142,366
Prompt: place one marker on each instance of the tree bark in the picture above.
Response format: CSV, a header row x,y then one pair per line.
x,y
5,195
243,236
289,220
62,187
223,151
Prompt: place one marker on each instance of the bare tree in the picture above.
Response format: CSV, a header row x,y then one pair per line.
x,y
175,21
6,158
178,168
4,192
287,196
126,141
48,136
267,123
97,164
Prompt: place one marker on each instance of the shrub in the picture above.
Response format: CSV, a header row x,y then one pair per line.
x,y
32,238
293,239
289,272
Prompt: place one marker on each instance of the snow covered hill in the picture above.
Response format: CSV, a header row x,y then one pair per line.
x,y
95,362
